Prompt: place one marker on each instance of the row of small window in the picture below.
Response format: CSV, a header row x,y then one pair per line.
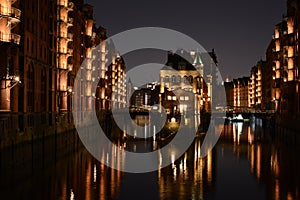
x,y
182,98
178,79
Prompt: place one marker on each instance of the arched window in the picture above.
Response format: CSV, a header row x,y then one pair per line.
x,y
191,79
178,79
185,79
173,79
167,79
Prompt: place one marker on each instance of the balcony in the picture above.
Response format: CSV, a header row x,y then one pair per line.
x,y
13,13
13,38
62,3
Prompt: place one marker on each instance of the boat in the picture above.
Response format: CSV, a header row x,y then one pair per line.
x,y
238,118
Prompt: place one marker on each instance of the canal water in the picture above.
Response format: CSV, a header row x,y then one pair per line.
x,y
249,161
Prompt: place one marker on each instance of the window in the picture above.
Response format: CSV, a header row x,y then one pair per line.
x,y
178,79
190,79
184,98
173,79
167,79
185,79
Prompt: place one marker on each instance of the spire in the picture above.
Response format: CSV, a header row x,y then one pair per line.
x,y
129,81
197,60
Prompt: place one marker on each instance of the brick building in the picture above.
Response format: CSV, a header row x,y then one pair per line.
x,y
44,43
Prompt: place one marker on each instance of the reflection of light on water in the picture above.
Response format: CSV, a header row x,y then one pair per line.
x,y
182,166
234,133
209,167
238,128
88,180
115,147
277,190
159,163
95,173
258,166
274,163
250,139
252,158
175,172
173,159
72,195
197,121
253,127
289,196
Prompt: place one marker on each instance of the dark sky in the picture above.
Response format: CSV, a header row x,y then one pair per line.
x,y
239,30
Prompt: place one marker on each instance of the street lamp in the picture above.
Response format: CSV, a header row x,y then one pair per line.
x,y
69,91
12,81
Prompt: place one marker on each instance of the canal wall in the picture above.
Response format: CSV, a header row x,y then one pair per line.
x,y
39,152
17,128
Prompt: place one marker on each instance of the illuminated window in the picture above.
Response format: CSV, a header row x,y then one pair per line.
x,y
169,98
174,98
186,98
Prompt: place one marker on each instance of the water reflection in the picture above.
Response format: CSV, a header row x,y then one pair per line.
x,y
249,162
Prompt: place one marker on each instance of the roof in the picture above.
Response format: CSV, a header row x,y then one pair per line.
x,y
197,60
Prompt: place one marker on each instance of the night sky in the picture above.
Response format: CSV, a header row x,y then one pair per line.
x,y
238,30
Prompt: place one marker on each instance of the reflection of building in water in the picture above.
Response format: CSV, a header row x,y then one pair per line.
x,y
278,173
182,81
188,175
95,180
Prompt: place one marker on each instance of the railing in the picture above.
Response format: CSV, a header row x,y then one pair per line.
x,y
12,12
14,38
